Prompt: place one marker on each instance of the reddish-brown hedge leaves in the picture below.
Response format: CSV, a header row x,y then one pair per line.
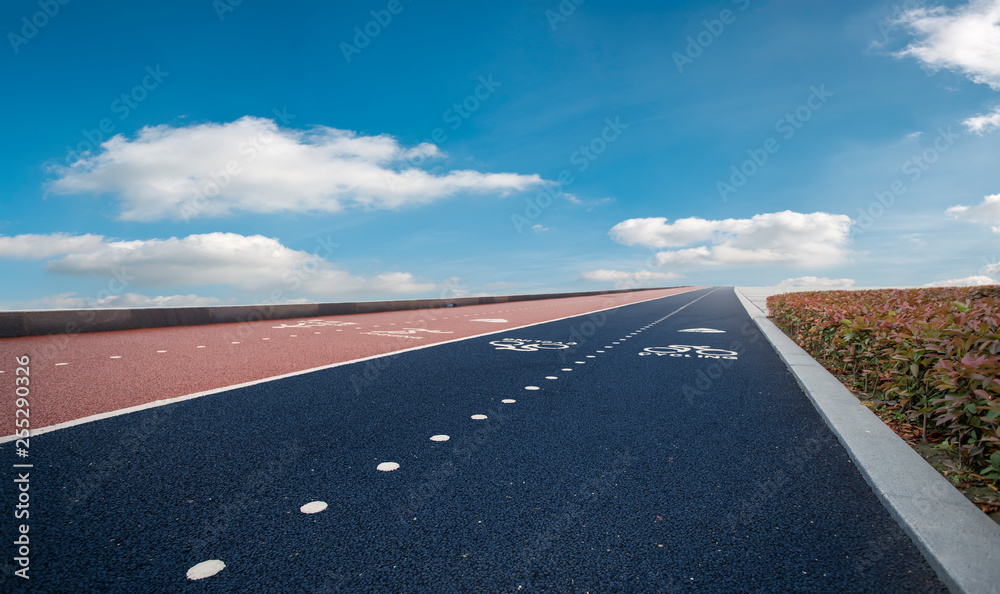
x,y
932,354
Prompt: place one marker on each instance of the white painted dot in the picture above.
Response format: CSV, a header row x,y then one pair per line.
x,y
161,351
551,377
205,569
439,438
508,401
388,466
478,417
201,346
313,507
57,364
531,387
567,369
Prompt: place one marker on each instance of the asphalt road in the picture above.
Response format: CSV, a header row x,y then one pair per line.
x,y
616,464
93,373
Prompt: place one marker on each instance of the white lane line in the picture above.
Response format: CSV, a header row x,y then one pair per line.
x,y
237,342
57,365
567,369
166,401
440,438
387,466
161,351
270,339
313,507
116,356
201,346
591,356
205,569
478,417
532,388
508,401
551,377
580,362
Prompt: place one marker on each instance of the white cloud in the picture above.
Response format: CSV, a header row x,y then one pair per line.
x,y
623,279
969,281
818,282
251,165
251,263
965,39
36,247
126,300
984,123
913,135
987,212
605,275
788,238
539,228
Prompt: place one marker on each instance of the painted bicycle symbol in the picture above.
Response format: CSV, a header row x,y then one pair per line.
x,y
520,344
689,351
316,324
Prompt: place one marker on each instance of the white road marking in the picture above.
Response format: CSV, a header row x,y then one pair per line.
x,y
532,388
551,377
205,569
508,401
387,466
567,369
490,320
440,438
116,356
704,330
201,346
313,507
58,364
478,417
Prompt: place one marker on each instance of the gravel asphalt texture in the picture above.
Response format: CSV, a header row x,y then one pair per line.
x,y
626,473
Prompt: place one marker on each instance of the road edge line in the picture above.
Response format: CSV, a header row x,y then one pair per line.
x,y
958,540
158,403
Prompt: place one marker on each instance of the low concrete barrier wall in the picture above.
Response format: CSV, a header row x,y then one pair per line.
x,y
15,324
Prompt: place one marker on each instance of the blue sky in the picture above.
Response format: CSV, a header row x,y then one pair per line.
x,y
195,152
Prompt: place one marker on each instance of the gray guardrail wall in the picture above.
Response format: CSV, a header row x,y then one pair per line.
x,y
15,324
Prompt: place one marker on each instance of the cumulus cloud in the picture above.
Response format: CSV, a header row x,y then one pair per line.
x,y
787,238
988,211
817,282
965,39
251,263
251,165
969,281
983,123
37,247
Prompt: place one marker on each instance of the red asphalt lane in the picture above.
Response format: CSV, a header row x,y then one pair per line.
x,y
78,375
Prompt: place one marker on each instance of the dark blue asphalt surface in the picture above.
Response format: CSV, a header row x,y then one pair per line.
x,y
628,473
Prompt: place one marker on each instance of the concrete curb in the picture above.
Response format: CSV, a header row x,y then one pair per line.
x,y
960,542
15,324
